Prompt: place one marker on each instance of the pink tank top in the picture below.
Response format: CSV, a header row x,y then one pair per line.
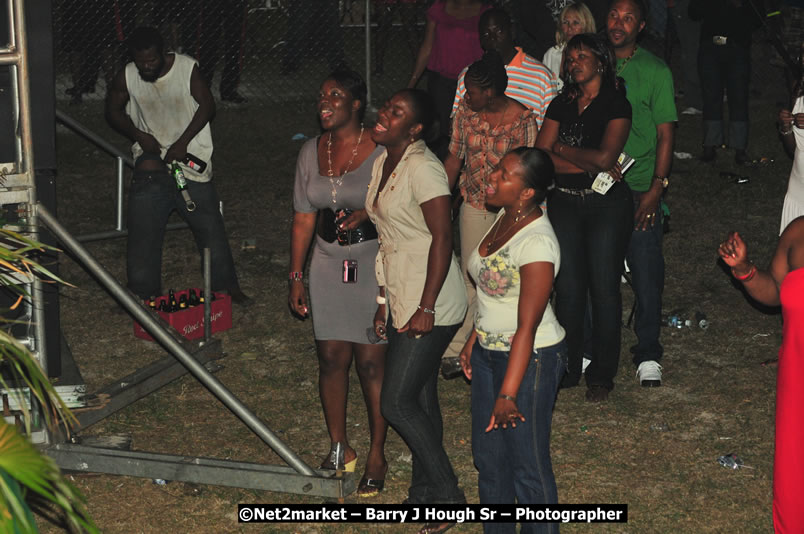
x,y
457,42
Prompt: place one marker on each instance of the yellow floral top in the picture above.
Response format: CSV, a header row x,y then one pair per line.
x,y
498,286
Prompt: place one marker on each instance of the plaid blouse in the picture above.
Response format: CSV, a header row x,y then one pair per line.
x,y
482,146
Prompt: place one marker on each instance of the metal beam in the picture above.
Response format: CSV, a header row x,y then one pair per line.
x,y
200,470
142,383
135,308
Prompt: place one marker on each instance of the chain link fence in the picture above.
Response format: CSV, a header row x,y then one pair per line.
x,y
275,53
261,52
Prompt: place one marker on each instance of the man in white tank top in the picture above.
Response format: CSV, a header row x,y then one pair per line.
x,y
161,103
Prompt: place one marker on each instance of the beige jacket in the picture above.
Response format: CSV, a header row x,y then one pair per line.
x,y
401,264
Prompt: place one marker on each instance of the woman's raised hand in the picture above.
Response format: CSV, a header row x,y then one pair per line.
x,y
733,251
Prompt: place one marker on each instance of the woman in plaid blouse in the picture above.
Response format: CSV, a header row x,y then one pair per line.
x,y
485,127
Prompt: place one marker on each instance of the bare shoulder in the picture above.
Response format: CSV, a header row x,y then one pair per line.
x,y
791,244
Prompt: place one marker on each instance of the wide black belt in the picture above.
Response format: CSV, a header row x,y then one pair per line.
x,y
329,231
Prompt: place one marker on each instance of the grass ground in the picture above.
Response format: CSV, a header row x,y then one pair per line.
x,y
653,449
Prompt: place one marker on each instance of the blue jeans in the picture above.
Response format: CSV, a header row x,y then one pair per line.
x,y
515,462
725,67
409,402
593,233
646,261
152,197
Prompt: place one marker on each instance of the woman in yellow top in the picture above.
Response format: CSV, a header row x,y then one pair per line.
x,y
422,294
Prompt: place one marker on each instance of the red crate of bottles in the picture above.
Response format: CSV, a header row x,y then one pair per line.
x,y
190,321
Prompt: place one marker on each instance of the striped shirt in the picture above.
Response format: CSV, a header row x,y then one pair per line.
x,y
529,82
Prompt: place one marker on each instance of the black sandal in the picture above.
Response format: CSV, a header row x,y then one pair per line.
x,y
370,487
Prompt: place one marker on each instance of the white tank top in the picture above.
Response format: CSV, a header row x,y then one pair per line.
x,y
164,108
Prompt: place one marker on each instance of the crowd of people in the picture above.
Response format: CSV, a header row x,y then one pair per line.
x,y
555,172
553,192
523,164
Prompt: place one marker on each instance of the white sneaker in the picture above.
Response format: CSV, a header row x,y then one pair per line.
x,y
586,362
649,374
692,111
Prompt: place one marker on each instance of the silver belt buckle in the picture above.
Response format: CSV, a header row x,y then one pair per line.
x,y
719,40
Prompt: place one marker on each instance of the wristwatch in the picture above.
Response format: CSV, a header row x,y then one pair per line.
x,y
663,179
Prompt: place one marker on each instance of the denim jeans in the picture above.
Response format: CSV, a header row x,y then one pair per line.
x,y
514,463
152,197
593,233
409,402
725,67
646,261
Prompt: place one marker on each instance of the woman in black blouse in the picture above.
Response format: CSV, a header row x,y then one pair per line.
x,y
585,130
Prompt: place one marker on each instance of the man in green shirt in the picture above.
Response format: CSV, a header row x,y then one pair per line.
x,y
649,89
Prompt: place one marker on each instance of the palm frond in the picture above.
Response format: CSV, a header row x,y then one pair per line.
x,y
21,464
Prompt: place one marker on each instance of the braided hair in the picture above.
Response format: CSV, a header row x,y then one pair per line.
x,y
488,72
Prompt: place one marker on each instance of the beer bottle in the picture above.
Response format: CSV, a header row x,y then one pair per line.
x,y
181,183
193,300
174,305
163,306
183,302
152,302
201,298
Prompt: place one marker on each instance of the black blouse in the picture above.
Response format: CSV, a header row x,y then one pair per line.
x,y
586,130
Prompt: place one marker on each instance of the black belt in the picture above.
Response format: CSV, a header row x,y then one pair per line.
x,y
329,231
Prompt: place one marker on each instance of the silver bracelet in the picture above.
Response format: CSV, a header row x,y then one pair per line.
x,y
425,310
786,132
381,300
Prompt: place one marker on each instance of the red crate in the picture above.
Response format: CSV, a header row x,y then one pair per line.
x,y
190,322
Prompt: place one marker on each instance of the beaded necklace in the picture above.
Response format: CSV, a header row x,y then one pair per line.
x,y
339,182
621,68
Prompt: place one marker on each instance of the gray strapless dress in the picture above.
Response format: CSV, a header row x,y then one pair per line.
x,y
340,311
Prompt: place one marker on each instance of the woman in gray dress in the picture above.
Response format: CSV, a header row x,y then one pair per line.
x,y
332,174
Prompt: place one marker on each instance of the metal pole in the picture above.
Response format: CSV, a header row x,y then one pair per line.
x,y
207,294
111,234
368,55
119,207
25,156
92,136
152,327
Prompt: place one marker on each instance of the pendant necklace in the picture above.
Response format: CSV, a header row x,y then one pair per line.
x,y
516,220
336,183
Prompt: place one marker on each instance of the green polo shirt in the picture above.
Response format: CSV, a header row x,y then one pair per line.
x,y
649,89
